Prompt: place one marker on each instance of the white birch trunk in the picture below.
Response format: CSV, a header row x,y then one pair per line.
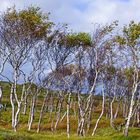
x,y
103,106
130,110
68,115
41,112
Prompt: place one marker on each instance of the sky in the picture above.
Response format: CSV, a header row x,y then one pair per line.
x,y
82,15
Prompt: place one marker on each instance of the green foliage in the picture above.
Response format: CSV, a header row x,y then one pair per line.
x,y
131,34
27,23
121,40
77,39
111,27
128,72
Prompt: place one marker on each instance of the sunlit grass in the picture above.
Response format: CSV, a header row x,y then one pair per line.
x,y
104,132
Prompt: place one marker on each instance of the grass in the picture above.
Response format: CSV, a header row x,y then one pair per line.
x,y
104,132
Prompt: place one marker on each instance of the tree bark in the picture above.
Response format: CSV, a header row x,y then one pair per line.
x,y
68,115
103,106
32,109
130,110
41,112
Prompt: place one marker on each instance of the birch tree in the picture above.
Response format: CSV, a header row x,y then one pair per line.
x,y
130,43
20,31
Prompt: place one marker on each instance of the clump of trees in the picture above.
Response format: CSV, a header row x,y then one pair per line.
x,y
73,66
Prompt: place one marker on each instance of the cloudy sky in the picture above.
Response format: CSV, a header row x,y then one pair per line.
x,y
81,15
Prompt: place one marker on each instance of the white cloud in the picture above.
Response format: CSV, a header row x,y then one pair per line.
x,y
4,5
81,14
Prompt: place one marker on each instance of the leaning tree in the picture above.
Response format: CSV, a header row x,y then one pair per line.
x,y
130,46
20,31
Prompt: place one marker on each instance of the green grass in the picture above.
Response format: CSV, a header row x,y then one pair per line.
x,y
102,134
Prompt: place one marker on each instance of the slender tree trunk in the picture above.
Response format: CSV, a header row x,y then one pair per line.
x,y
41,112
63,116
103,106
111,112
15,113
1,93
16,116
32,109
89,116
130,110
13,107
15,95
83,112
26,94
117,110
25,104
82,130
68,114
59,110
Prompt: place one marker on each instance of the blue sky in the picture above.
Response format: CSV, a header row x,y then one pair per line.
x,y
82,14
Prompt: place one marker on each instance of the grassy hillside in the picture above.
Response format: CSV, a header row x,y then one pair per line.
x,y
104,132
